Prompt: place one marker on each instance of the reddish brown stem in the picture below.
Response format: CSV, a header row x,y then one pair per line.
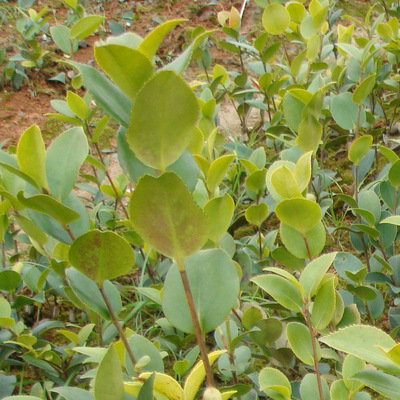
x,y
196,324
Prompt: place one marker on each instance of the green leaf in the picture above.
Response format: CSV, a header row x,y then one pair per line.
x,y
297,11
142,347
256,181
109,381
159,130
293,107
269,331
275,19
146,392
65,156
394,175
361,341
127,67
5,308
309,388
257,213
294,241
86,26
393,219
217,171
364,89
73,393
180,63
345,111
152,41
87,292
209,286
49,206
283,181
9,280
299,213
163,212
351,366
339,391
359,148
219,211
282,290
61,36
302,171
310,133
106,95
31,229
274,384
22,398
324,305
101,255
385,384
31,155
314,272
17,172
77,105
300,341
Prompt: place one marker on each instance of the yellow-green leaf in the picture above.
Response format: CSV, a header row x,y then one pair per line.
x,y
86,26
359,148
164,213
299,213
197,375
219,211
284,183
275,19
127,67
31,155
163,120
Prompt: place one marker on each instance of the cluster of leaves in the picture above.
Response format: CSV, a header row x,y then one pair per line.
x,y
32,28
157,256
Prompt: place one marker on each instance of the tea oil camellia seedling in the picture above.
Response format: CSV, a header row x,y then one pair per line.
x,y
260,264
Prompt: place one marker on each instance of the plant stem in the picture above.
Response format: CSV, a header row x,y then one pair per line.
x,y
196,323
306,314
118,326
307,247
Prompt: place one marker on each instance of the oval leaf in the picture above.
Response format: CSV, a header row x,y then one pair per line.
x,y
283,291
65,156
299,213
209,286
31,155
275,19
127,67
362,341
163,212
101,255
86,26
359,148
219,211
299,338
162,120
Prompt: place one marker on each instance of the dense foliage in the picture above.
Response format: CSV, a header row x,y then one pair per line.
x,y
265,263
